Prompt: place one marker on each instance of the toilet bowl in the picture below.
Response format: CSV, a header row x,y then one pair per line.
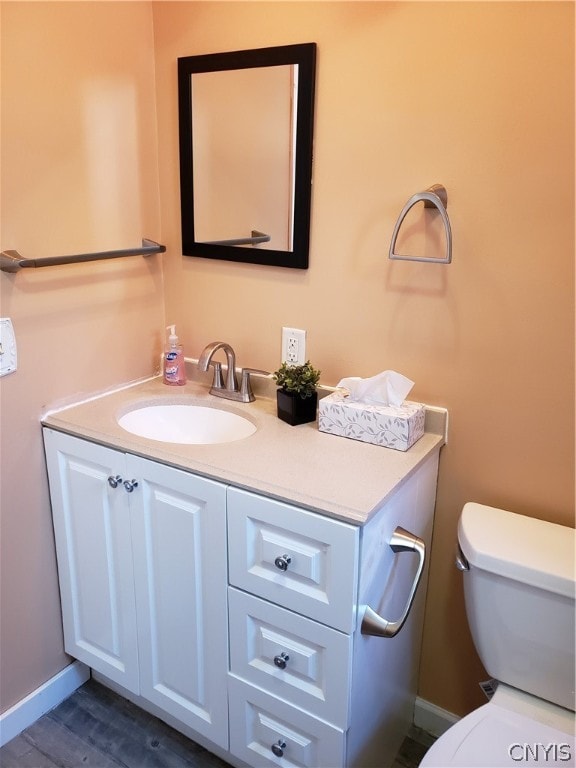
x,y
519,587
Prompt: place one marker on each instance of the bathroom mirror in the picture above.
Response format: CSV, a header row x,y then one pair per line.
x,y
246,127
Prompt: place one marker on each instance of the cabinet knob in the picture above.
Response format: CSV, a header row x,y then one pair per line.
x,y
114,481
129,485
281,660
282,562
278,748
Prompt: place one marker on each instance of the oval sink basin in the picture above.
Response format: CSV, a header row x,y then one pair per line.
x,y
190,424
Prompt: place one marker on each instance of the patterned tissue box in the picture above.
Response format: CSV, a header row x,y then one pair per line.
x,y
393,426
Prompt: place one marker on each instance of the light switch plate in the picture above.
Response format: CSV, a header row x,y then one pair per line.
x,y
8,352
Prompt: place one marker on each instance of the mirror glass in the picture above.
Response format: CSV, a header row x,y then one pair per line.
x,y
246,122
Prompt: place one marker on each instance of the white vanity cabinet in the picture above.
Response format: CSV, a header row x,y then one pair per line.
x,y
236,616
142,568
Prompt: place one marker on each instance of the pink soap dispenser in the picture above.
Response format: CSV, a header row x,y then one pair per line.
x,y
174,365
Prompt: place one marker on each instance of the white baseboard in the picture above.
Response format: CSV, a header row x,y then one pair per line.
x,y
42,700
431,718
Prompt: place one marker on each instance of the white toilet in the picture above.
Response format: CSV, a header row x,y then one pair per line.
x,y
519,587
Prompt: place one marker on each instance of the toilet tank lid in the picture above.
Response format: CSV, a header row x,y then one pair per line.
x,y
522,548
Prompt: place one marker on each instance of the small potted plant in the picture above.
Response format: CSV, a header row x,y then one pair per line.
x,y
297,397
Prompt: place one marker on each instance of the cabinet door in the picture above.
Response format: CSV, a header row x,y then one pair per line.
x,y
179,540
93,545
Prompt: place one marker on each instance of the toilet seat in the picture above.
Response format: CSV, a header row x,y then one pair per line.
x,y
499,735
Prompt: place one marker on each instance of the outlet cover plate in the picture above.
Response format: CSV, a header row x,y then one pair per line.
x,y
293,346
8,352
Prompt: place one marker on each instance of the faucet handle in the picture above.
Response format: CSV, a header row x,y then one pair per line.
x,y
246,387
218,381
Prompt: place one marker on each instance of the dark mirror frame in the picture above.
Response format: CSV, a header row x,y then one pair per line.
x,y
305,56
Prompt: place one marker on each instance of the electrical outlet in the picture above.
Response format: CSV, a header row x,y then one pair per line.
x,y
293,346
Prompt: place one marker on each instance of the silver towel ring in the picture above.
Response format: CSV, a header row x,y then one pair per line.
x,y
433,197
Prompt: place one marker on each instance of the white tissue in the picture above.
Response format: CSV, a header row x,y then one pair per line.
x,y
386,388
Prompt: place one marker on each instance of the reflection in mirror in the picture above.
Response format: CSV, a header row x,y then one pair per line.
x,y
242,149
246,154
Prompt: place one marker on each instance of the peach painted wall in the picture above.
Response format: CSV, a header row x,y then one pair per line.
x,y
479,97
79,173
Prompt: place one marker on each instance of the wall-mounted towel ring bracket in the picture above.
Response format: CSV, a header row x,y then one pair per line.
x,y
433,197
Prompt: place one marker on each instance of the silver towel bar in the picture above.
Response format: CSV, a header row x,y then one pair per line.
x,y
433,197
11,261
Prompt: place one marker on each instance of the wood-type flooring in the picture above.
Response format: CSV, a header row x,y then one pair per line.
x,y
96,728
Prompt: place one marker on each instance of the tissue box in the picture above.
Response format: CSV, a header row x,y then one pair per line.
x,y
393,426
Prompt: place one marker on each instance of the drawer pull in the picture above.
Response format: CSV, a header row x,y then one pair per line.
x,y
278,748
282,562
373,624
114,481
281,660
129,485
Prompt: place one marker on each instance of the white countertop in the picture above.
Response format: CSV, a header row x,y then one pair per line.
x,y
333,475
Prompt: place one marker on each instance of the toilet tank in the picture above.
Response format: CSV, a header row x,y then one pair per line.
x,y
519,592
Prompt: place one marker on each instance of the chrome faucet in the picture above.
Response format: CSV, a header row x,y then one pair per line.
x,y
206,360
230,390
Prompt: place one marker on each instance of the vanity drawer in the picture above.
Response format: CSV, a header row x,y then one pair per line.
x,y
295,558
265,731
296,659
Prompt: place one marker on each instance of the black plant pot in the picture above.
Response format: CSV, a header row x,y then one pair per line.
x,y
294,409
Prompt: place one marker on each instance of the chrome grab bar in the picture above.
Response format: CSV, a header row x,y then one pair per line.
x,y
373,624
433,197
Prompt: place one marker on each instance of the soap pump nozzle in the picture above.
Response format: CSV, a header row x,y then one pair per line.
x,y
172,338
